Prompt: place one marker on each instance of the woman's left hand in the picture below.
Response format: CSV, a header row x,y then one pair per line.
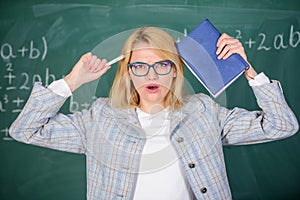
x,y
226,46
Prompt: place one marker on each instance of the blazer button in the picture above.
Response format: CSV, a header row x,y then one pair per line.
x,y
191,165
179,139
203,190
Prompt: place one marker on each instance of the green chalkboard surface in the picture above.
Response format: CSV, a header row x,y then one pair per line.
x,y
40,40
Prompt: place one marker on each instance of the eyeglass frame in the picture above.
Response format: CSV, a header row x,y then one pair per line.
x,y
130,65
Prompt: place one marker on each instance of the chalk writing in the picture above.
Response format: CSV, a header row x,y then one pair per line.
x,y
279,42
18,101
74,106
5,134
8,52
1,107
13,83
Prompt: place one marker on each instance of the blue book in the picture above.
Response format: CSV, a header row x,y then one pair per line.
x,y
198,52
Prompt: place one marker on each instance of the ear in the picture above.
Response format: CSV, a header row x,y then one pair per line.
x,y
129,75
175,73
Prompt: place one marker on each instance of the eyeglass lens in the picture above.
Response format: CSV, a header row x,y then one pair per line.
x,y
142,69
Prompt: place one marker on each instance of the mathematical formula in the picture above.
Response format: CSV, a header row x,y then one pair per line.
x,y
278,42
29,51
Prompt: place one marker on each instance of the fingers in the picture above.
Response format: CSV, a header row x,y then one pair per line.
x,y
85,58
226,46
99,66
94,64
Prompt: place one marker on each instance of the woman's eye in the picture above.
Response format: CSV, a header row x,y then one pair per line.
x,y
164,64
138,66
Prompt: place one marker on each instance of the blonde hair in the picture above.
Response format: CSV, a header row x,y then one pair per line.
x,y
123,94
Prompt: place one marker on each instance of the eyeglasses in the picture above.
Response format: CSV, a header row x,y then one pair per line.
x,y
163,67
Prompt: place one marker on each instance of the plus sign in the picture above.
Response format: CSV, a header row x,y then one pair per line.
x,y
85,105
5,131
10,77
23,50
18,101
250,42
6,135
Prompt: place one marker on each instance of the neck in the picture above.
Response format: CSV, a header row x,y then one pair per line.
x,y
152,108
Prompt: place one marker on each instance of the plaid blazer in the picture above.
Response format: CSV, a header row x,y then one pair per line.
x,y
113,140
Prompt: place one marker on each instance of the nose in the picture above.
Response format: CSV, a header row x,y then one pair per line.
x,y
152,74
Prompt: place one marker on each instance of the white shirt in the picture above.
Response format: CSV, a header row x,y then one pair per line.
x,y
160,175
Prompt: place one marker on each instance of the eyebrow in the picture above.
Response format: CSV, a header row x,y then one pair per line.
x,y
152,63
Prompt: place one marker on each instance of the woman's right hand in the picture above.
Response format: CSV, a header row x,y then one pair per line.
x,y
88,68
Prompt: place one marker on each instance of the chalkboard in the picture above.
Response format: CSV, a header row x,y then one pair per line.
x,y
41,40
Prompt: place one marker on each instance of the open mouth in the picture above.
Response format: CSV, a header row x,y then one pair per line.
x,y
152,87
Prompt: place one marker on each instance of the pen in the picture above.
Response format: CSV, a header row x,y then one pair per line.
x,y
113,61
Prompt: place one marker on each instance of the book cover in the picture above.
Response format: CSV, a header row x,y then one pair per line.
x,y
198,52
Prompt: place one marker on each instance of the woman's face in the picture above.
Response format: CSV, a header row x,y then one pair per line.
x,y
152,87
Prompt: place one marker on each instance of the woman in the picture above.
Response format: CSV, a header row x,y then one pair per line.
x,y
148,140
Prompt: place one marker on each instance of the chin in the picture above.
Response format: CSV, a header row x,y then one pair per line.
x,y
156,98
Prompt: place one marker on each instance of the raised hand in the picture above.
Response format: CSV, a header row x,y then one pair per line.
x,y
226,46
88,68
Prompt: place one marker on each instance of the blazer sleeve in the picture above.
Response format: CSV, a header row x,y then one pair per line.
x,y
274,121
40,124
